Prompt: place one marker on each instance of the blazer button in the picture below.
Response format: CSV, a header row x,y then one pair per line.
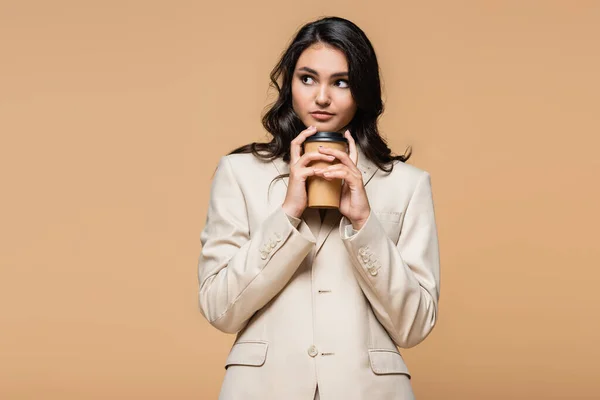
x,y
263,256
312,351
278,237
373,271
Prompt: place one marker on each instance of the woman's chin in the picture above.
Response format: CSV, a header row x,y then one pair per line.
x,y
326,127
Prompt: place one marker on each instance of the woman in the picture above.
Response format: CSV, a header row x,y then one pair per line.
x,y
320,312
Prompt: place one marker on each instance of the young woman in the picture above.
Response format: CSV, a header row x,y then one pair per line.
x,y
320,312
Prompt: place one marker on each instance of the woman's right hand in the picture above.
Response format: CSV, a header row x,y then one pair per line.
x,y
296,198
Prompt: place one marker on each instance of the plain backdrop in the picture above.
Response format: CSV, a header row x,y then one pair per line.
x,y
114,114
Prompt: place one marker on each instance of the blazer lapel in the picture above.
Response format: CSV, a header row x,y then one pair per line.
x,y
310,218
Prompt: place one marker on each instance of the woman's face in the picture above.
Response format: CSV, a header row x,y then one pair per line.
x,y
320,83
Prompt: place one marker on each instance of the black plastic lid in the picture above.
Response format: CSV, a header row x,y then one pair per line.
x,y
326,137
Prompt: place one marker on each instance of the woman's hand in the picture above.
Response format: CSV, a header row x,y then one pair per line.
x,y
296,198
354,203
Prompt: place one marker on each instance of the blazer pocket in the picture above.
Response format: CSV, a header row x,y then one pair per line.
x,y
247,353
387,362
391,223
389,216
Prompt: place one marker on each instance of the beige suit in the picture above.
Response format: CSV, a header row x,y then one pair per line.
x,y
316,303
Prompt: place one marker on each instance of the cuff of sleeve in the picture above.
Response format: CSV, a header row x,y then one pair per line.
x,y
363,244
348,230
279,229
293,220
295,223
370,229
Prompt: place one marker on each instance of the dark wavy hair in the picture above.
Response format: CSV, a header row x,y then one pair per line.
x,y
363,75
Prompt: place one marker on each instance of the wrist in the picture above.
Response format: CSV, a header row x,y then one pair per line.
x,y
357,224
291,212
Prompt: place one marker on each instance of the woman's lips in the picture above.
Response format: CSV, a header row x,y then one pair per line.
x,y
321,116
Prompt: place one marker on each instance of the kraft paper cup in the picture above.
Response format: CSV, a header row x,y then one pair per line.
x,y
321,192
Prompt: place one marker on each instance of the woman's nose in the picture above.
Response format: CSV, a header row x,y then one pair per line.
x,y
323,98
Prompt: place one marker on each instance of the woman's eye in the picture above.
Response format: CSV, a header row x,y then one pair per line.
x,y
306,79
302,78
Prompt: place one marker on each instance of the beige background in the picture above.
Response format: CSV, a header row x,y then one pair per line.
x,y
114,114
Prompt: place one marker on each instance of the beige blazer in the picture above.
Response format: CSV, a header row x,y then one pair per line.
x,y
316,303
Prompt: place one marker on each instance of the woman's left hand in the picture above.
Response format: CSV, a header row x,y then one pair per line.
x,y
354,203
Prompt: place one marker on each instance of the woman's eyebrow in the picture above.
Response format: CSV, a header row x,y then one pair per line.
x,y
312,71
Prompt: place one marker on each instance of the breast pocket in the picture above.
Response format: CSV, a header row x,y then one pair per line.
x,y
391,221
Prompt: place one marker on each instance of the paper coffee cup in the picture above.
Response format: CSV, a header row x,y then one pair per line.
x,y
321,192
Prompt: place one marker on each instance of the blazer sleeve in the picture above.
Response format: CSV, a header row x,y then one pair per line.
x,y
239,273
402,282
